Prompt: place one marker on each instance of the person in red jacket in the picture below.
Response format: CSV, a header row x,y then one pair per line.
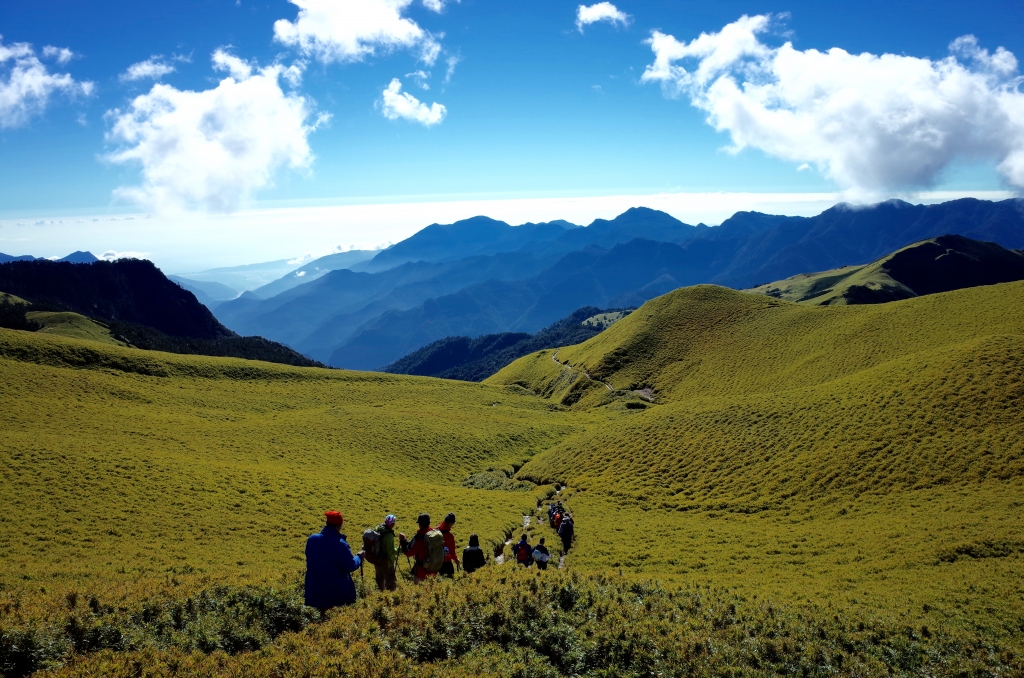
x,y
417,549
451,555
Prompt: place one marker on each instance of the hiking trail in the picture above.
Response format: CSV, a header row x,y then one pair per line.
x,y
554,356
499,558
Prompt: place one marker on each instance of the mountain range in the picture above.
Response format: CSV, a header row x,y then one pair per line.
x,y
481,276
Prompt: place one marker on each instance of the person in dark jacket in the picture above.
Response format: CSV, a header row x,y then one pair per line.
x,y
329,564
523,552
565,531
451,555
541,556
473,557
417,549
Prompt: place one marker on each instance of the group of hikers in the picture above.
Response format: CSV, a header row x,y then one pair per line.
x,y
431,552
560,520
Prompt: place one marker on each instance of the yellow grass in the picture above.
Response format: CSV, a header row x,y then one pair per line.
x,y
861,462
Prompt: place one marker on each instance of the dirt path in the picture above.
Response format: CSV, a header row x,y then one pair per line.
x,y
554,356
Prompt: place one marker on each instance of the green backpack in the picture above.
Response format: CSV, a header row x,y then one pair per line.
x,y
435,550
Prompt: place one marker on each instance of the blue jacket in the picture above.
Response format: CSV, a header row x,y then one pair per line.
x,y
329,561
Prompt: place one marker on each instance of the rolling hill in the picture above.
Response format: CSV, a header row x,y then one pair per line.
x,y
846,451
940,264
794,489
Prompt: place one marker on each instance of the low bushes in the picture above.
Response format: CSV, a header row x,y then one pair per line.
x,y
499,621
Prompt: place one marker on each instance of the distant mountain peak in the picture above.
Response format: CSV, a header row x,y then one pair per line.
x,y
80,257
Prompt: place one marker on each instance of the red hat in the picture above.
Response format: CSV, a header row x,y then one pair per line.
x,y
334,518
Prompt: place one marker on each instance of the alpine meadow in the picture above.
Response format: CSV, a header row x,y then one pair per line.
x,y
838,478
457,339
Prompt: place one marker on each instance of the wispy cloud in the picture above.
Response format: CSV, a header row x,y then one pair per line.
x,y
61,55
155,67
397,104
874,124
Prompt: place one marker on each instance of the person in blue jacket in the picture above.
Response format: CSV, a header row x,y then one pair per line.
x,y
329,564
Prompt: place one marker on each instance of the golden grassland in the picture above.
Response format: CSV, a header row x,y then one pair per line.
x,y
150,465
870,455
856,471
827,287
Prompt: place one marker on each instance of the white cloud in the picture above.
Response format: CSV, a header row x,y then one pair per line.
x,y
398,104
61,54
111,255
213,148
26,84
601,11
873,124
154,67
351,30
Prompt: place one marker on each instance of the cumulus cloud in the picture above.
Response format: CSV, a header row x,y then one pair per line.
x,y
212,148
351,30
26,84
871,123
155,67
601,11
397,104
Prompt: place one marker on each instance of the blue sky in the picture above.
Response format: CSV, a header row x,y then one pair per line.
x,y
533,106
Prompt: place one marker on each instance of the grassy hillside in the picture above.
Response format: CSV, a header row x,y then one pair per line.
x,y
815,490
73,325
940,264
121,468
867,455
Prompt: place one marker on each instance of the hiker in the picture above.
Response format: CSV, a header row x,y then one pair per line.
x,y
523,552
541,555
551,514
473,557
451,555
556,522
565,531
426,547
329,564
382,552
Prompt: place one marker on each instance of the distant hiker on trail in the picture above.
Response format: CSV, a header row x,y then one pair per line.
x,y
473,557
426,548
523,552
565,531
381,551
551,514
556,522
451,555
329,564
541,555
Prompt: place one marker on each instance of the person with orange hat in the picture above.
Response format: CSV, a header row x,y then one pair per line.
x,y
329,566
